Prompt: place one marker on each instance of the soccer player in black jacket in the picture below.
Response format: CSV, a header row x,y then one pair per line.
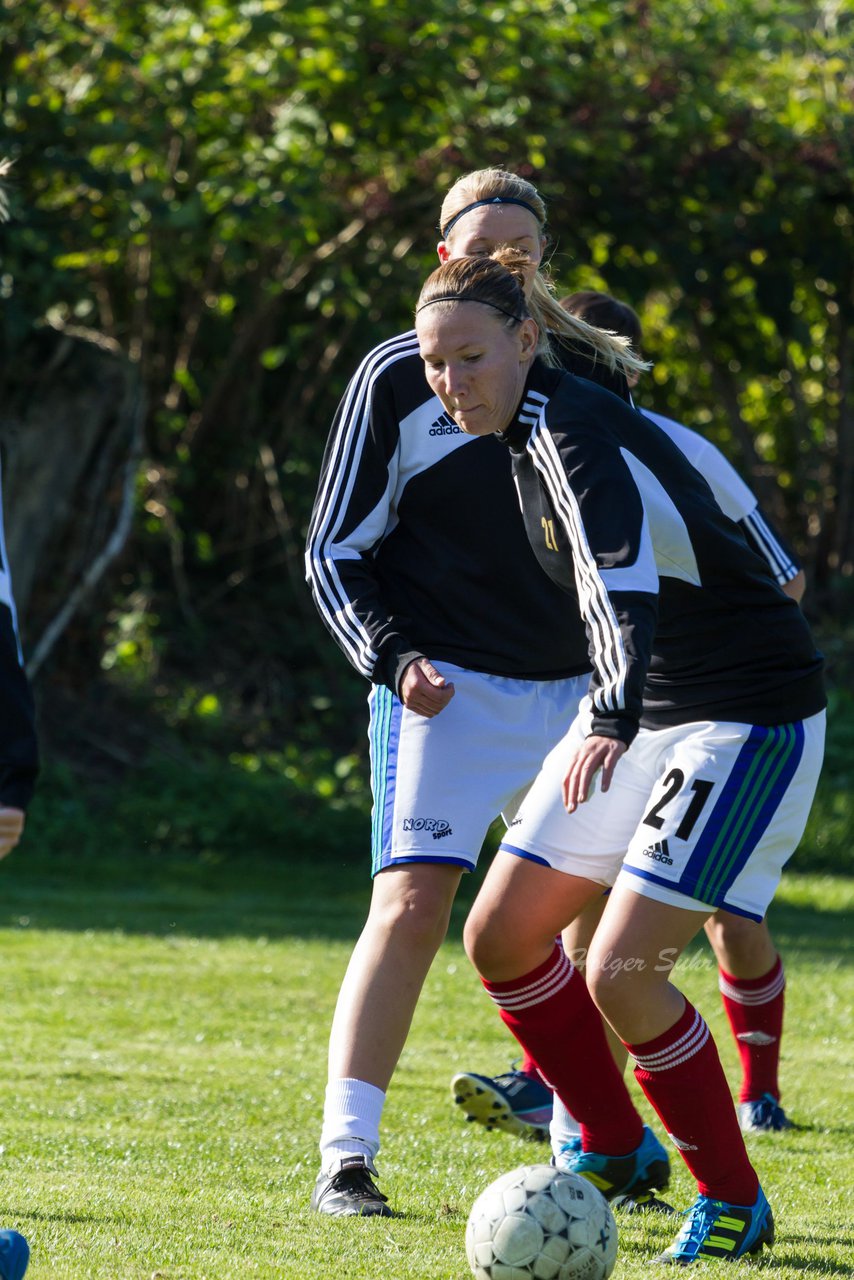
x,y
416,548
704,722
751,976
18,770
18,748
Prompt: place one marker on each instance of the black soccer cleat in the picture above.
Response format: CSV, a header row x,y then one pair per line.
x,y
350,1192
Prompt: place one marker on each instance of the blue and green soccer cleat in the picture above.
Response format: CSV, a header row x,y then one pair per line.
x,y
630,1176
642,1202
715,1229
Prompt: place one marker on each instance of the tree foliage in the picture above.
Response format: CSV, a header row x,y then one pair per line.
x,y
242,196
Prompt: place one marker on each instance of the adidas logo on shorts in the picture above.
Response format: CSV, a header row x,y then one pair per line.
x,y
658,852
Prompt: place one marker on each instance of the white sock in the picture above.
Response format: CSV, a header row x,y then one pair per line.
x,y
563,1126
351,1122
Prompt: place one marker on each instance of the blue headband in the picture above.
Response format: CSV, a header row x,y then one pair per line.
x,y
479,203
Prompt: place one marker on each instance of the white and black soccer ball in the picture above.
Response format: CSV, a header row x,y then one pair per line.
x,y
539,1223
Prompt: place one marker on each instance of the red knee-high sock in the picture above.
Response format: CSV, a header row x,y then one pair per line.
x,y
754,1007
551,1014
681,1074
529,1066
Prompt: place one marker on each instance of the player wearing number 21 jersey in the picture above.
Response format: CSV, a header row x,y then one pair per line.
x,y
684,620
613,511
705,716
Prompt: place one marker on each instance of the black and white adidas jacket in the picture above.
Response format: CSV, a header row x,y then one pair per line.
x,y
685,621
416,543
19,763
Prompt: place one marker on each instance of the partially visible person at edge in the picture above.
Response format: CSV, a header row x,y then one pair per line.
x,y
18,771
19,762
684,783
415,546
751,978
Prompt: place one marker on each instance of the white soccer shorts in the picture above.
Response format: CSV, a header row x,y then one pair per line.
x,y
702,815
439,784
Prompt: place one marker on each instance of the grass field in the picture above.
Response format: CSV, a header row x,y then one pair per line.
x,y
165,1064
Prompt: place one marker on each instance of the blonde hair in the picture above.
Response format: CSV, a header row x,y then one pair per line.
x,y
606,312
613,349
490,184
553,322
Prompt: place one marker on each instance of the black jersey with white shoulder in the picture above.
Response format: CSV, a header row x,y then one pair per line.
x,y
416,543
733,496
736,499
685,621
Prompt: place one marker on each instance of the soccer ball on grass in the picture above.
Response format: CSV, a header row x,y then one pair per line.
x,y
539,1223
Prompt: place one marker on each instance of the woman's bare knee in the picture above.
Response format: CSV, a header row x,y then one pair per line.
x,y
414,904
482,939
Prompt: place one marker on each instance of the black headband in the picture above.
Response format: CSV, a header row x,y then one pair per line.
x,y
492,200
457,297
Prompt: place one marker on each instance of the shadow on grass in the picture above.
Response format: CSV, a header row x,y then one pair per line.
x,y
177,897
323,898
57,1215
822,933
788,1255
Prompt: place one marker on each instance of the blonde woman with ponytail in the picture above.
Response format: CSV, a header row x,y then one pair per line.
x,y
416,547
469,227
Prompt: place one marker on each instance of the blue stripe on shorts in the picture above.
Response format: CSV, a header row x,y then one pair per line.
x,y
522,853
384,736
751,795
